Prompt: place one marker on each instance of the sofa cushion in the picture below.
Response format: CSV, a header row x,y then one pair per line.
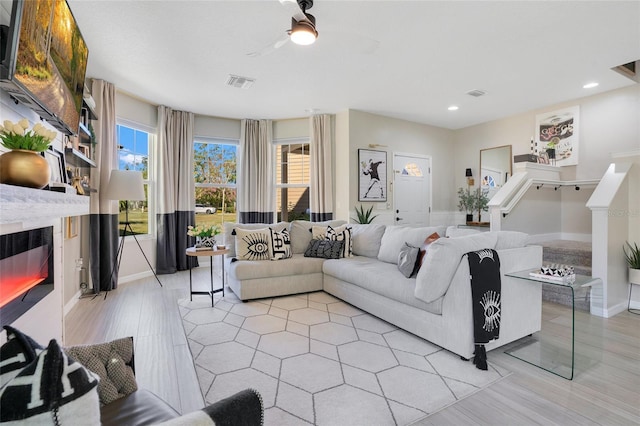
x,y
113,363
301,233
381,278
253,269
423,251
511,239
51,387
442,260
454,231
253,244
280,244
230,238
366,239
395,237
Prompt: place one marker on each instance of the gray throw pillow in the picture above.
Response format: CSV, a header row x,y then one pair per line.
x,y
407,259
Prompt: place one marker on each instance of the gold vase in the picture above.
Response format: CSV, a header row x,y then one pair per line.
x,y
24,168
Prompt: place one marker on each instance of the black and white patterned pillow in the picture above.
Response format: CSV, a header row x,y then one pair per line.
x,y
326,249
280,244
113,363
51,389
339,233
253,244
18,352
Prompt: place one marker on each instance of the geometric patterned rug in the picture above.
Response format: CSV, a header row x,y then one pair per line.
x,y
318,360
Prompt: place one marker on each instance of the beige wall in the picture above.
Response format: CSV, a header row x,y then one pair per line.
x,y
609,123
401,137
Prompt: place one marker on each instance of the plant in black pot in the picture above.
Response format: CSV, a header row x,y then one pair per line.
x,y
551,148
466,202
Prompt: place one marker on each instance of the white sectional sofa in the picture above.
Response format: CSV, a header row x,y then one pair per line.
x,y
435,304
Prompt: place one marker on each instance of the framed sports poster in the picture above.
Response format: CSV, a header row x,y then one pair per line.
x,y
558,131
372,175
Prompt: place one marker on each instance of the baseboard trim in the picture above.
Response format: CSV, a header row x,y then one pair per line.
x,y
133,277
71,303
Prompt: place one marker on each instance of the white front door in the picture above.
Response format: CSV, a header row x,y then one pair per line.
x,y
411,189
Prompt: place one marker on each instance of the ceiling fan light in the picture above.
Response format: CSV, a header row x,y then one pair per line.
x,y
303,32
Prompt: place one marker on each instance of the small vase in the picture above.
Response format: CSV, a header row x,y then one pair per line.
x,y
208,242
24,168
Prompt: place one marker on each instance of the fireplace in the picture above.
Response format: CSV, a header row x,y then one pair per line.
x,y
26,271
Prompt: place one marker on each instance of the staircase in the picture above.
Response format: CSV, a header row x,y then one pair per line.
x,y
573,253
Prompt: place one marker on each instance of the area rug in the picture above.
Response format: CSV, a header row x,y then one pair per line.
x,y
318,360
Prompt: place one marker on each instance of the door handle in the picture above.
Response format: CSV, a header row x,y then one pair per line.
x,y
398,219
397,211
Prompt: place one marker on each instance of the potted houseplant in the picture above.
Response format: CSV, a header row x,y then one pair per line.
x,y
23,165
205,235
633,261
481,202
364,216
466,202
551,148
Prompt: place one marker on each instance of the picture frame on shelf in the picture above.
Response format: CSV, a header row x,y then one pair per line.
x,y
71,226
57,164
372,175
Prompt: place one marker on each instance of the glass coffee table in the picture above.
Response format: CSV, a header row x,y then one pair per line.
x,y
551,349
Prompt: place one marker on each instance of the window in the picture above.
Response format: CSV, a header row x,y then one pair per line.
x,y
215,179
292,180
133,154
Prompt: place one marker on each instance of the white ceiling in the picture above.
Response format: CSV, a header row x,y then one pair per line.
x,y
404,59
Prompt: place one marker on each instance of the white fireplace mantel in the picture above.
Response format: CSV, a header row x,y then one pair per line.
x,y
19,204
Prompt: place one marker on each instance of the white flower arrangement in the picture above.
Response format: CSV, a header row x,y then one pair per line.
x,y
203,231
16,136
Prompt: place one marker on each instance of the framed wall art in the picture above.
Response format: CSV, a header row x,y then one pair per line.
x,y
72,226
372,175
57,164
557,135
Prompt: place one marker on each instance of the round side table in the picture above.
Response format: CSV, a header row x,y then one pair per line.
x,y
191,251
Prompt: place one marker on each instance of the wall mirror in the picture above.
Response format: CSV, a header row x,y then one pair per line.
x,y
495,168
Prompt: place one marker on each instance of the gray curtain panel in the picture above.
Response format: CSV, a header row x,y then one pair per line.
x,y
175,196
321,185
255,173
103,235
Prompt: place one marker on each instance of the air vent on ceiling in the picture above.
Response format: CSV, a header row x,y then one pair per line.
x,y
629,70
476,93
239,81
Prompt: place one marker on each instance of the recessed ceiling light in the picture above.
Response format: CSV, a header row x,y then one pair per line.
x,y
453,108
590,85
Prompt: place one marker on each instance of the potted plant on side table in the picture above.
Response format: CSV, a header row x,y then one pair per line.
x,y
205,235
633,261
23,165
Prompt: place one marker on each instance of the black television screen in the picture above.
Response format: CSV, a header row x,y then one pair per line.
x,y
46,59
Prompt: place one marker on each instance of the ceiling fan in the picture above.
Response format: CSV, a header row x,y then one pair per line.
x,y
303,31
303,27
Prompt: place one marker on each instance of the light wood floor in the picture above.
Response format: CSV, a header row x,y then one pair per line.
x,y
608,393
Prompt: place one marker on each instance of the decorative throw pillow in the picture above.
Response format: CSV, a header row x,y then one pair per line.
x,y
326,249
253,244
340,233
423,251
52,389
113,363
280,244
18,352
407,260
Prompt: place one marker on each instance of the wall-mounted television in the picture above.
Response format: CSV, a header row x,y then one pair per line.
x,y
44,60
